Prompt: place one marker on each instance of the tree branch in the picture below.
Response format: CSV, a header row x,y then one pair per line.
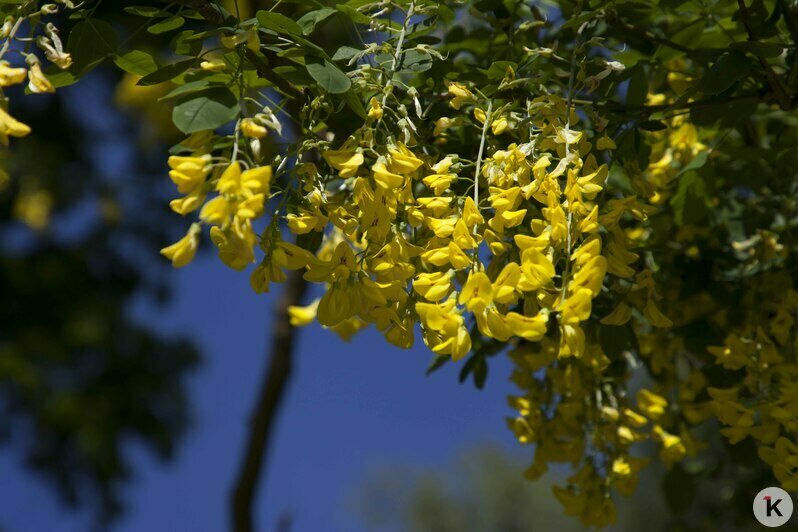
x,y
277,375
650,36
206,8
779,91
646,110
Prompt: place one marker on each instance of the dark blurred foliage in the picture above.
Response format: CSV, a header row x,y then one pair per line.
x,y
80,379
484,489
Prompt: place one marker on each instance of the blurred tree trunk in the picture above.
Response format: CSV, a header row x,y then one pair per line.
x,y
272,393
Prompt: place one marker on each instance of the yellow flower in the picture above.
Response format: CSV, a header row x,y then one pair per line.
x,y
257,180
445,330
537,270
439,182
505,288
340,267
183,251
346,161
11,127
230,180
529,328
234,250
460,95
33,208
477,292
11,76
619,316
471,214
500,125
252,129
432,286
652,405
301,316
375,109
576,308
441,125
673,449
402,160
624,472
213,66
189,203
189,172
337,304
304,222
654,316
385,178
572,341
38,82
605,143
216,212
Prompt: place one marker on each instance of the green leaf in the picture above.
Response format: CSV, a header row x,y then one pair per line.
x,y
61,78
415,61
467,368
164,26
279,23
638,86
690,201
188,88
144,11
498,69
136,62
762,49
691,34
167,73
329,76
345,53
265,71
699,161
91,41
309,20
210,110
186,43
293,74
436,364
353,14
729,68
354,103
480,371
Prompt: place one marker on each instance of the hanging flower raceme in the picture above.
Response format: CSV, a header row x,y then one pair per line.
x,y
515,241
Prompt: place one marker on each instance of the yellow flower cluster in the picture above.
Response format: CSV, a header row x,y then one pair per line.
x,y
514,246
10,126
38,83
420,245
763,402
240,198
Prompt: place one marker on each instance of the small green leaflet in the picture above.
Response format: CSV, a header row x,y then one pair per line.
x,y
209,110
329,76
164,26
136,62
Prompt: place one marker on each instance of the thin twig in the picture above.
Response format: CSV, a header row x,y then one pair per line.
x,y
398,54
